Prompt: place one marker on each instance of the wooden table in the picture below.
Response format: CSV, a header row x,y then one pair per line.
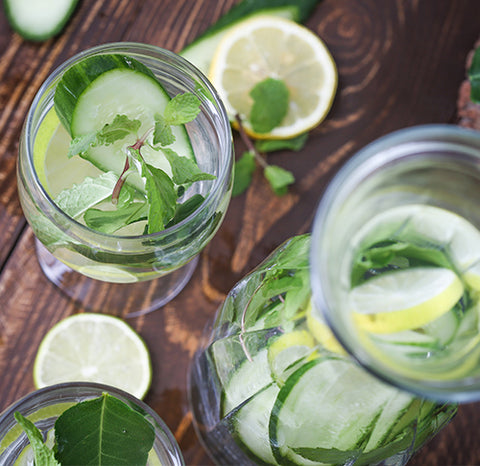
x,y
400,64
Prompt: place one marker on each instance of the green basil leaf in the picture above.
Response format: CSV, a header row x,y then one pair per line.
x,y
271,145
279,179
243,173
182,109
185,170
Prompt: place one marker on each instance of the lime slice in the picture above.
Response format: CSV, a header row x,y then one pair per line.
x,y
289,350
94,348
272,47
405,299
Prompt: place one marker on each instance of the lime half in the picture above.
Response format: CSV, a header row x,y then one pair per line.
x,y
405,299
94,348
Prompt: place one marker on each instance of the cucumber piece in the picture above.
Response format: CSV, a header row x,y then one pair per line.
x,y
250,425
326,406
38,20
200,52
93,91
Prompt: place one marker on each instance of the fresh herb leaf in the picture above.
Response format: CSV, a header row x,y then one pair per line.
x,y
76,200
118,129
182,109
186,208
110,221
103,431
270,104
243,170
163,133
474,76
184,169
81,144
278,178
43,455
271,145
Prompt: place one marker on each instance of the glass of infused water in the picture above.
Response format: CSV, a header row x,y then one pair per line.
x,y
43,407
271,385
396,260
124,174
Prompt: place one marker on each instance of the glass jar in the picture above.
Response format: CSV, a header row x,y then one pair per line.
x,y
271,385
44,406
399,217
113,272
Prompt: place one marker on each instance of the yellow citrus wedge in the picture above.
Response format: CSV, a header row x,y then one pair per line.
x,y
271,47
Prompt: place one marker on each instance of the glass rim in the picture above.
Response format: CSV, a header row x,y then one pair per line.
x,y
8,412
373,156
187,67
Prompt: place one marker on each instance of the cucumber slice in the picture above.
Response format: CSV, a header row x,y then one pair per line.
x,y
201,51
328,406
93,91
40,19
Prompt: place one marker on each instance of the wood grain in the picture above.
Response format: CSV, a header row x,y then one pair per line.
x,y
400,63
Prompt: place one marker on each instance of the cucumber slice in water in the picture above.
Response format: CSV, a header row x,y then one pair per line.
x,y
40,19
95,90
202,49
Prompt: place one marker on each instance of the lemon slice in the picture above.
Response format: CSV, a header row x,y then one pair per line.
x,y
271,47
405,299
321,331
94,348
286,352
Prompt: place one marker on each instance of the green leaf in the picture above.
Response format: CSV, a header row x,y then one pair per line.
x,y
182,109
161,197
186,208
270,104
81,144
271,145
243,173
43,455
76,200
184,169
279,179
474,76
118,129
103,431
110,221
163,132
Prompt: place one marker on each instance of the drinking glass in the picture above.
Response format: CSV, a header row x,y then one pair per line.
x,y
431,173
270,385
130,275
44,406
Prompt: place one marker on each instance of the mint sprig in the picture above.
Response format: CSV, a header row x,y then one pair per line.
x,y
162,191
474,76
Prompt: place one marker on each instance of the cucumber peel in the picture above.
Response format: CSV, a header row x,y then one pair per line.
x,y
38,20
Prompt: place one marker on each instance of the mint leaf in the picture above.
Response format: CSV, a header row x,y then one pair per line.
x,y
474,76
81,144
110,221
279,179
182,109
103,431
163,132
185,209
271,145
118,129
243,172
270,104
185,170
43,455
76,200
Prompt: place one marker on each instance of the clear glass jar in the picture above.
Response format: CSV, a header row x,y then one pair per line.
x,y
87,264
416,187
44,406
270,384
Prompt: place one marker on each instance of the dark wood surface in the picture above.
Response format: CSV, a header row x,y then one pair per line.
x,y
400,63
